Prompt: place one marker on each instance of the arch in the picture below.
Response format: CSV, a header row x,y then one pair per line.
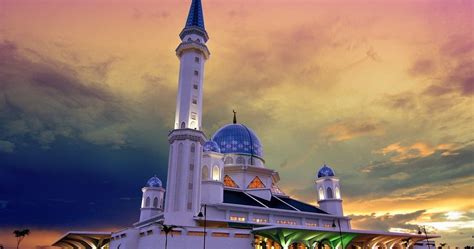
x,y
189,39
155,202
205,173
193,148
216,176
228,160
329,193
183,125
198,40
240,160
147,202
338,193
321,193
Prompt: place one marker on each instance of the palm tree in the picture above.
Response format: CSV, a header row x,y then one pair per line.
x,y
20,235
167,229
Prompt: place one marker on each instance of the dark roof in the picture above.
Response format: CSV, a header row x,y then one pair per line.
x,y
195,16
286,203
240,198
302,206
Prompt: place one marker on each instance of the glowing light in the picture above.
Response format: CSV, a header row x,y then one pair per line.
x,y
454,215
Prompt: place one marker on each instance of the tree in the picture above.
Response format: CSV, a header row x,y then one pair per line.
x,y
167,229
20,235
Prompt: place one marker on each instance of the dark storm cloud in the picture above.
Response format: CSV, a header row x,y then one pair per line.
x,y
386,176
386,221
42,100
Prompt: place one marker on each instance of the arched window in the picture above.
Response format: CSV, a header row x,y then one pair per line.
x,y
198,40
155,202
329,193
338,193
189,39
216,176
240,160
193,148
205,173
183,125
147,202
321,193
228,160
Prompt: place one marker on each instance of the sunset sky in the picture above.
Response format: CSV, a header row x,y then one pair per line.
x,y
380,90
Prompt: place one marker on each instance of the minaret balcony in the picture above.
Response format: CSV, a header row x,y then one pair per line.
x,y
192,45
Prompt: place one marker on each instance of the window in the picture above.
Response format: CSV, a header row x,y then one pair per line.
x,y
260,220
196,73
216,173
311,224
321,193
228,160
237,218
228,182
149,232
183,125
205,173
338,193
193,115
147,202
193,148
197,59
329,193
286,222
256,183
240,160
195,86
195,101
155,202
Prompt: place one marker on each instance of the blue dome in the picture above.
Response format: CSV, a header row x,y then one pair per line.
x,y
325,171
238,139
154,182
211,146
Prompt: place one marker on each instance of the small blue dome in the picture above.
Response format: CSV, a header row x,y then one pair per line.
x,y
211,146
325,171
154,182
238,139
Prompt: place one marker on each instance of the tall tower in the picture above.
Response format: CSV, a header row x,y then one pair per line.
x,y
183,189
328,191
152,199
192,53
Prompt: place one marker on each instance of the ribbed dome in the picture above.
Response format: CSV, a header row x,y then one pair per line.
x,y
325,171
238,139
154,182
211,146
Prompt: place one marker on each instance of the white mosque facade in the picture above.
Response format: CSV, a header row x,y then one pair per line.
x,y
219,192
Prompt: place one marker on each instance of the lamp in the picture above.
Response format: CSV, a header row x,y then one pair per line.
x,y
340,230
201,215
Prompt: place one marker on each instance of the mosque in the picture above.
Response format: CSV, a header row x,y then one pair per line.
x,y
220,194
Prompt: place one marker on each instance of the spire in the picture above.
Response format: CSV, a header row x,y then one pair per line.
x,y
235,117
195,16
195,21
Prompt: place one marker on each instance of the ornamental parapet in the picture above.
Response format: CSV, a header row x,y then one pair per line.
x,y
187,134
193,45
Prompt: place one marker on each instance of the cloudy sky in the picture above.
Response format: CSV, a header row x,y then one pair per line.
x,y
379,90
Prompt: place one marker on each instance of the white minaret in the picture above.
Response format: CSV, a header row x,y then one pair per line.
x,y
328,191
152,199
192,53
183,189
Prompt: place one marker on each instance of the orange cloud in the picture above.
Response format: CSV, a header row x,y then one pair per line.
x,y
402,153
350,129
